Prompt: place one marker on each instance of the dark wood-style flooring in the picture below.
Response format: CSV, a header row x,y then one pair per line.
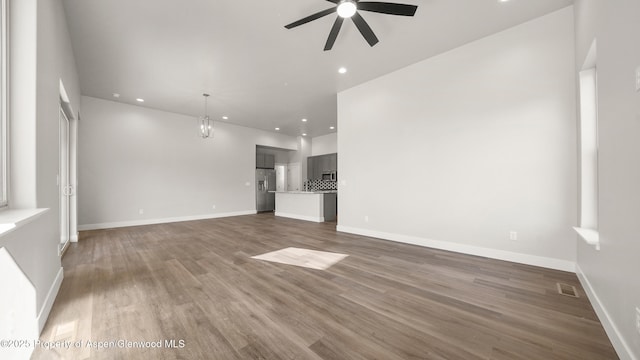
x,y
195,281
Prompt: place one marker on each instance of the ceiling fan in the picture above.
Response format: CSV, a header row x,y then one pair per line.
x,y
349,9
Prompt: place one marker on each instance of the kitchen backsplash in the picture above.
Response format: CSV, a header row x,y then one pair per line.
x,y
320,185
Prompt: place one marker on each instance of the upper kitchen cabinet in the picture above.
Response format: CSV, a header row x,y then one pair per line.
x,y
317,165
333,162
311,172
269,161
265,161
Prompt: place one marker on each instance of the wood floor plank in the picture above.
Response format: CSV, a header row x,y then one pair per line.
x,y
195,283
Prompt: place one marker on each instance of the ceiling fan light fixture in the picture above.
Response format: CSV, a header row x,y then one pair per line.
x,y
351,9
347,8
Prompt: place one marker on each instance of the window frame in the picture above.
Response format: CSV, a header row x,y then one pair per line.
x,y
589,149
4,103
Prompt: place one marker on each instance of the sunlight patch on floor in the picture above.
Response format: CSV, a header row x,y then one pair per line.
x,y
312,259
65,332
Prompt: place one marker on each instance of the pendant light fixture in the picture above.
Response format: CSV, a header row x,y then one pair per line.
x,y
205,122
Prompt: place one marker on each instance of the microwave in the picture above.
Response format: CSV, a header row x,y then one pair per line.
x,y
330,176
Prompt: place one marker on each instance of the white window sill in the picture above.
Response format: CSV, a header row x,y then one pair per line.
x,y
12,219
591,236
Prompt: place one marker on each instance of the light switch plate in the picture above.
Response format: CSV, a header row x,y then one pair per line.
x,y
638,78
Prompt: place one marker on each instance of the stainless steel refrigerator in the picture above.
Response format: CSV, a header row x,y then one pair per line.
x,y
265,182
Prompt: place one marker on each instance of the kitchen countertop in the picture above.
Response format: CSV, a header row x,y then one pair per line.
x,y
306,192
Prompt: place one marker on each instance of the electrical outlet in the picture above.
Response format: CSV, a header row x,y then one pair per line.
x,y
366,219
141,211
513,235
638,320
213,207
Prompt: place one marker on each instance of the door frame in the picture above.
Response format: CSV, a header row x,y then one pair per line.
x,y
66,108
64,178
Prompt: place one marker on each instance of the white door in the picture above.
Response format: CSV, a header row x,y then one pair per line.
x,y
64,177
293,177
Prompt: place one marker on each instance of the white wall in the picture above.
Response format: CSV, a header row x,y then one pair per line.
x,y
42,58
17,305
55,63
458,150
611,273
325,144
133,158
303,145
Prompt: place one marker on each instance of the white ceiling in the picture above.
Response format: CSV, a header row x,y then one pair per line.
x,y
258,73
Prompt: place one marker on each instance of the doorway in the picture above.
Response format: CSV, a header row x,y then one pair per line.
x,y
64,180
67,171
293,177
281,177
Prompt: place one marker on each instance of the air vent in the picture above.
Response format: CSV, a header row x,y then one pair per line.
x,y
567,290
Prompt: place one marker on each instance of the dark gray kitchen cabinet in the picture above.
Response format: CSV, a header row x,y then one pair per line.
x,y
269,161
317,165
265,161
333,162
310,170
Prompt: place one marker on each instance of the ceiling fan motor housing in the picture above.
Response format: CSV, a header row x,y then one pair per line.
x,y
349,9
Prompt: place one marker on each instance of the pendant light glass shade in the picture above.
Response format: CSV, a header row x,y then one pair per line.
x,y
205,123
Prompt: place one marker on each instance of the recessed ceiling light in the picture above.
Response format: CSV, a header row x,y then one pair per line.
x,y
304,120
225,118
332,127
139,100
277,129
503,0
304,134
116,95
342,70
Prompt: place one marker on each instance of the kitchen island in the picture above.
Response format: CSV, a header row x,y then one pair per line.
x,y
317,206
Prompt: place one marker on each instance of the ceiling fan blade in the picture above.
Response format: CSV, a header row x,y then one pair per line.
x,y
388,8
315,16
364,28
334,33
334,1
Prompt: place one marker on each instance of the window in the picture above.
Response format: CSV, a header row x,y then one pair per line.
x,y
588,76
3,102
588,149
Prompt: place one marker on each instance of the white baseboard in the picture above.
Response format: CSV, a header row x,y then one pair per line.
x,y
74,238
621,346
300,217
62,248
43,315
119,224
550,263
